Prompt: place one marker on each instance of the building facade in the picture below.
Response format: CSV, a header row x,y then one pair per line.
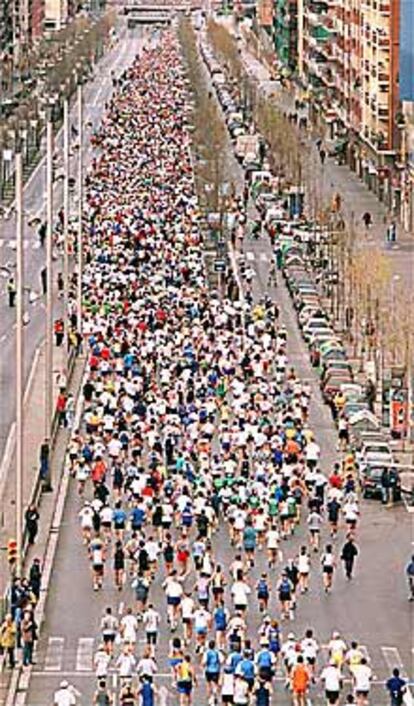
x,y
285,32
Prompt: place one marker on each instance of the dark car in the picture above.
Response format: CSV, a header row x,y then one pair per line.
x,y
371,486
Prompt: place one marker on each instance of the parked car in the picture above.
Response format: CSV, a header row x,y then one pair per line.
x,y
370,480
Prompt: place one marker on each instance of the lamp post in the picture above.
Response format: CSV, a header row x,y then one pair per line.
x,y
80,205
49,279
66,169
19,349
394,283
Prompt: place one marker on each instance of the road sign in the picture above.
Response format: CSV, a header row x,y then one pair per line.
x,y
219,265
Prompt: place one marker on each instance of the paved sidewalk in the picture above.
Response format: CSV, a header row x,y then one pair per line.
x,y
356,198
33,437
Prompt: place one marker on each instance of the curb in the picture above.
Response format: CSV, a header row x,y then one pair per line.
x,y
20,679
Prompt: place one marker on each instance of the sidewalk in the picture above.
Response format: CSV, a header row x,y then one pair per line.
x,y
356,198
34,435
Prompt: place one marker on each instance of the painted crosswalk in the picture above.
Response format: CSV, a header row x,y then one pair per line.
x,y
54,654
66,656
84,654
256,257
28,244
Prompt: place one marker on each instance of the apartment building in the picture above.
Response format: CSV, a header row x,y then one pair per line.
x,y
317,68
285,32
6,28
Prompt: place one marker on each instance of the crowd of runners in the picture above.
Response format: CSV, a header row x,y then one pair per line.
x,y
195,436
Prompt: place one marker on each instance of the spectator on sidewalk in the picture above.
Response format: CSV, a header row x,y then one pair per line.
x,y
32,523
61,409
59,332
35,577
367,220
11,292
8,632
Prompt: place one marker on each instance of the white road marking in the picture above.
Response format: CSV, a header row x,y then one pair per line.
x,y
393,659
54,654
264,257
121,608
84,654
250,255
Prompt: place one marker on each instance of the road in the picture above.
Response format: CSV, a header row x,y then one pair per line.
x,y
96,95
373,608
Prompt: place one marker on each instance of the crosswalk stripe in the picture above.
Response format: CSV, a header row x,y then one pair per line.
x,y
84,654
250,255
54,654
393,659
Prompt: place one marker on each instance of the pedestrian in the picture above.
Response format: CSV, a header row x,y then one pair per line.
x,y
362,676
299,680
65,695
396,687
60,285
367,220
262,589
61,409
328,567
102,696
42,230
35,577
43,280
11,291
409,572
32,523
331,677
322,156
59,331
8,639
186,680
212,661
348,556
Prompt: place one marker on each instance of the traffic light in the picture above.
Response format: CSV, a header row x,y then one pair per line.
x,y
12,553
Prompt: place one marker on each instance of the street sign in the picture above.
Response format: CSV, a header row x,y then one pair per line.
x,y
219,265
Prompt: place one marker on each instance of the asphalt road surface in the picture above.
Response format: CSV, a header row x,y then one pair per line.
x,y
96,95
373,608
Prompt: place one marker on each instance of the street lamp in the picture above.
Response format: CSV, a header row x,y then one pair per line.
x,y
66,168
19,347
394,282
80,199
49,275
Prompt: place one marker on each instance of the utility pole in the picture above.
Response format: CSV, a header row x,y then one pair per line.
x,y
66,167
49,280
80,206
19,354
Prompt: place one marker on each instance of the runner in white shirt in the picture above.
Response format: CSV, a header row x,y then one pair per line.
x,y
240,592
129,627
187,612
202,624
65,695
331,676
362,676
151,620
274,554
173,592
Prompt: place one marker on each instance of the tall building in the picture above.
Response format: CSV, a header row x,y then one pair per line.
x,y
285,32
36,19
317,64
58,13
380,68
6,28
